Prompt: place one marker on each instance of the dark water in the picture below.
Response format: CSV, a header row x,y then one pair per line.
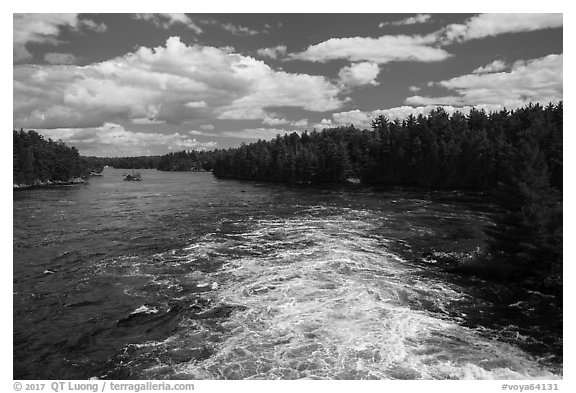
x,y
186,276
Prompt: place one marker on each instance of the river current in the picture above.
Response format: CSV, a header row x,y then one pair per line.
x,y
185,276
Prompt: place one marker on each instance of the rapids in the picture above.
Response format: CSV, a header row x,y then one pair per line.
x,y
182,276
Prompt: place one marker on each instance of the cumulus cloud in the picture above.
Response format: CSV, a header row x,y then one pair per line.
x,y
60,58
538,80
273,52
359,74
167,20
114,140
380,50
300,123
324,123
490,25
45,29
273,119
495,66
172,83
418,19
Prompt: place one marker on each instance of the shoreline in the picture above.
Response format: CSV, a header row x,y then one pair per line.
x,y
48,183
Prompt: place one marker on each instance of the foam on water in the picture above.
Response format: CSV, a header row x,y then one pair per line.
x,y
322,297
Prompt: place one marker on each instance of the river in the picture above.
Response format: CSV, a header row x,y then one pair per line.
x,y
185,276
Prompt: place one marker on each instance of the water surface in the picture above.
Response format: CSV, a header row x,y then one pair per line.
x,y
186,276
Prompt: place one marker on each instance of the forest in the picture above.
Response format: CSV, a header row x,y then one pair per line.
x,y
441,151
36,160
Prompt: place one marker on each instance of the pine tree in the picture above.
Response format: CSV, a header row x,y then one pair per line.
x,y
526,236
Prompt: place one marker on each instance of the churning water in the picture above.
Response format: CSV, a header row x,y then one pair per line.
x,y
186,276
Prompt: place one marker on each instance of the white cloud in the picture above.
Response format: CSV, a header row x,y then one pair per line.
x,y
273,52
425,48
363,119
418,19
538,80
359,74
490,25
60,58
272,119
258,133
380,50
167,20
208,127
238,30
156,84
324,123
114,140
196,104
495,66
91,25
356,117
414,88
300,123
45,28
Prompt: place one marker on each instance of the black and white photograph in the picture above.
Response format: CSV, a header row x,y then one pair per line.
x,y
287,196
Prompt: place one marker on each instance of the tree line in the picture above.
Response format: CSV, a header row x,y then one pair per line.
x,y
183,161
437,150
35,159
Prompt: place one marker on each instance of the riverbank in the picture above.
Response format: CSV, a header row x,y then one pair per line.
x,y
48,183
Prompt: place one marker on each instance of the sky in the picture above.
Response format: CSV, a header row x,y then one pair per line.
x,y
149,84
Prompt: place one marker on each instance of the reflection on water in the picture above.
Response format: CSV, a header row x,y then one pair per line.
x,y
186,276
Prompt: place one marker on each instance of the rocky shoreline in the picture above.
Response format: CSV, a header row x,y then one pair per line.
x,y
49,183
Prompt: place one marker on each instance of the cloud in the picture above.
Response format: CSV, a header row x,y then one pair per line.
x,y
272,119
196,104
167,20
359,74
146,120
91,25
45,29
414,88
60,58
300,123
160,84
208,127
495,66
273,52
113,140
424,48
538,80
238,30
258,133
380,50
418,19
491,25
363,119
324,123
